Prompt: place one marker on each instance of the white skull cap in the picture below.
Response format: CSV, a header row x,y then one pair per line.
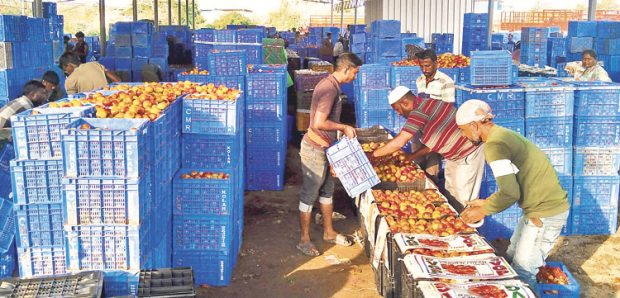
x,y
473,110
398,93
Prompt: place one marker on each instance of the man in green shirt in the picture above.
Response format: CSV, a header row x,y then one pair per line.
x,y
525,176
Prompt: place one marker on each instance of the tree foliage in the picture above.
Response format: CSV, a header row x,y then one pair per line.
x,y
232,18
285,17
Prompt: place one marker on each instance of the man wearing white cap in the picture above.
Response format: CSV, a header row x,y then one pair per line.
x,y
523,174
434,120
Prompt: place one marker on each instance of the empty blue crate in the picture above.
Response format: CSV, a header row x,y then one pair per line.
x,y
582,28
265,158
371,117
547,98
107,201
110,247
561,159
373,75
210,267
36,133
358,38
141,40
597,99
254,53
227,63
373,98
209,116
225,36
39,225
597,131
263,85
272,179
491,68
595,205
143,52
250,36
580,44
41,261
388,47
534,35
265,135
385,28
205,196
507,103
106,148
200,233
7,153
265,110
607,29
596,161
209,151
571,290
36,181
475,20
120,283
551,132
405,76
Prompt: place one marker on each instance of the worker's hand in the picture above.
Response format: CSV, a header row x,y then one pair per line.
x,y
473,214
332,172
476,203
349,131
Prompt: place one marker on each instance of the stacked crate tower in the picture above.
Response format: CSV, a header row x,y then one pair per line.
x,y
442,42
534,46
208,211
372,86
385,43
207,40
596,158
556,51
606,43
475,29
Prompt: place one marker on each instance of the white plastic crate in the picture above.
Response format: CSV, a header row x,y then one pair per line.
x,y
352,166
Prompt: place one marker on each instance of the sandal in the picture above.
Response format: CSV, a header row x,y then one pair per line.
x,y
340,240
308,249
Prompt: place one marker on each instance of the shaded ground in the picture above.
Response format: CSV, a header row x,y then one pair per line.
x,y
270,266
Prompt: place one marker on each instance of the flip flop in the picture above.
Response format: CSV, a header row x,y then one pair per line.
x,y
308,249
340,240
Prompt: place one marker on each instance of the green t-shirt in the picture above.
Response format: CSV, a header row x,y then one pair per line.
x,y
523,174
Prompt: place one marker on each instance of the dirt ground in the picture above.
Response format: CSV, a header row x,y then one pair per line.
x,y
269,265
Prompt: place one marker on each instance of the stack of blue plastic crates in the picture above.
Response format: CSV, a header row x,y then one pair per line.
x,y
606,42
36,176
266,127
208,40
556,50
442,42
208,213
372,86
596,158
497,41
582,36
491,68
534,46
8,255
55,24
385,43
357,44
549,125
475,30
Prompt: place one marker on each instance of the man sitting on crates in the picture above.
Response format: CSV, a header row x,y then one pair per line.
x,y
434,121
524,175
324,124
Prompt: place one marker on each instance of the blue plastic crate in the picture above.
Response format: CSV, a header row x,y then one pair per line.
x,y
580,44
507,103
607,29
143,52
265,110
571,290
373,98
597,131
120,283
8,262
225,35
137,63
227,63
359,28
209,151
39,225
453,73
269,86
207,116
121,27
596,191
594,220
210,268
385,28
200,233
597,99
500,225
206,196
121,40
36,181
417,41
358,38
464,75
491,68
561,159
7,153
371,117
141,40
475,35
373,76
7,225
474,20
123,64
272,179
405,76
388,60
550,132
534,35
265,135
41,261
109,148
110,247
254,53
547,98
250,36
582,28
388,47
595,161
265,158
237,82
514,125
198,78
90,201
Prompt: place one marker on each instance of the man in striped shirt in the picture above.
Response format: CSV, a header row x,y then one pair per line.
x,y
435,121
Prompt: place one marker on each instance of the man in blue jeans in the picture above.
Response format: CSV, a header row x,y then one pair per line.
x,y
525,176
324,124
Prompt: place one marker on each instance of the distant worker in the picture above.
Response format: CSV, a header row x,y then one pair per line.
x,y
83,77
68,45
151,73
326,52
338,48
588,68
34,95
81,47
51,80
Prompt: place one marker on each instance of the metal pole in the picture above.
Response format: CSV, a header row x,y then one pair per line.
x,y
187,12
169,12
342,15
355,14
193,14
332,13
491,9
37,8
156,14
135,10
591,10
102,26
179,7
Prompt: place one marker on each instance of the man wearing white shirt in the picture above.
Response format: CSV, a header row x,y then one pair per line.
x,y
433,83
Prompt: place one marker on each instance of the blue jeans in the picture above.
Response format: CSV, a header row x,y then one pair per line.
x,y
530,244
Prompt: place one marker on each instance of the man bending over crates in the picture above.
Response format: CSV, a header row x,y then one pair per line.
x,y
34,95
435,121
324,123
524,175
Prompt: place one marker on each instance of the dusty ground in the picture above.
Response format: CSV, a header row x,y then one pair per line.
x,y
270,266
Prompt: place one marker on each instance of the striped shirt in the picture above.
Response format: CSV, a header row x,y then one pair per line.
x,y
434,119
440,88
16,106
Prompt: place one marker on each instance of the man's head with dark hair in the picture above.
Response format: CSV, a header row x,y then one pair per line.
x,y
69,62
588,58
329,34
66,38
428,62
347,66
80,35
50,80
36,92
